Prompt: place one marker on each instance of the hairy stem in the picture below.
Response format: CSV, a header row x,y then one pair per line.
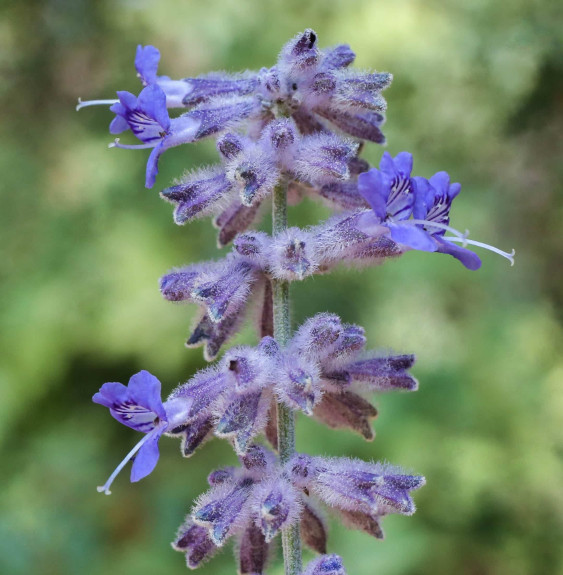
x,y
291,538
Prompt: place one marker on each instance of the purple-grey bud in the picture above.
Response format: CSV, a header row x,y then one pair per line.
x,y
230,145
224,292
306,122
337,57
364,125
298,385
193,434
299,55
218,84
323,158
177,285
203,389
221,509
213,335
356,485
253,245
317,336
254,173
242,418
384,373
216,117
325,565
194,541
222,475
257,458
343,194
292,255
198,195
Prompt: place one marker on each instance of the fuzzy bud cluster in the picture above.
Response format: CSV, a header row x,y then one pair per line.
x,y
324,372
255,502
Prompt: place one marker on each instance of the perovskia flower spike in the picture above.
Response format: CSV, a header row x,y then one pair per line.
x,y
293,130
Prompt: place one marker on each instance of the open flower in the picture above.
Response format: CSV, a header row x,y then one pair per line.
x,y
148,119
138,405
434,199
395,197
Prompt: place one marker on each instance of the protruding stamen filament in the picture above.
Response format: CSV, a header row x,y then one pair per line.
x,y
105,488
508,256
87,103
440,226
117,144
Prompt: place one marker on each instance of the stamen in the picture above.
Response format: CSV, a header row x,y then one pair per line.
x,y
105,488
508,256
116,144
87,103
458,234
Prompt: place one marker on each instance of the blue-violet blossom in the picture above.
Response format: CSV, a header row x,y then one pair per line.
x,y
138,405
395,197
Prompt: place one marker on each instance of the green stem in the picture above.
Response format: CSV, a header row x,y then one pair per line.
x,y
291,538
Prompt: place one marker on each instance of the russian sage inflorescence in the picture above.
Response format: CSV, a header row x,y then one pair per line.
x,y
290,131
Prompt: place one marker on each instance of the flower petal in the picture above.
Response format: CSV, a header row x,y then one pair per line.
x,y
412,236
152,100
118,124
146,63
403,162
469,259
375,189
144,389
146,459
110,394
152,165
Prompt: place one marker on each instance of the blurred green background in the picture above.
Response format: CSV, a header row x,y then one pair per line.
x,y
477,92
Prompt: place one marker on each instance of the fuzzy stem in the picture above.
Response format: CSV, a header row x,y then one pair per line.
x,y
291,539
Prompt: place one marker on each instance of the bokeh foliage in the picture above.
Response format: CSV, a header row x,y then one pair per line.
x,y
477,92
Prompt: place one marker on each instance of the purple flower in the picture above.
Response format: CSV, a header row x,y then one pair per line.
x,y
148,119
433,203
394,197
139,406
390,191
